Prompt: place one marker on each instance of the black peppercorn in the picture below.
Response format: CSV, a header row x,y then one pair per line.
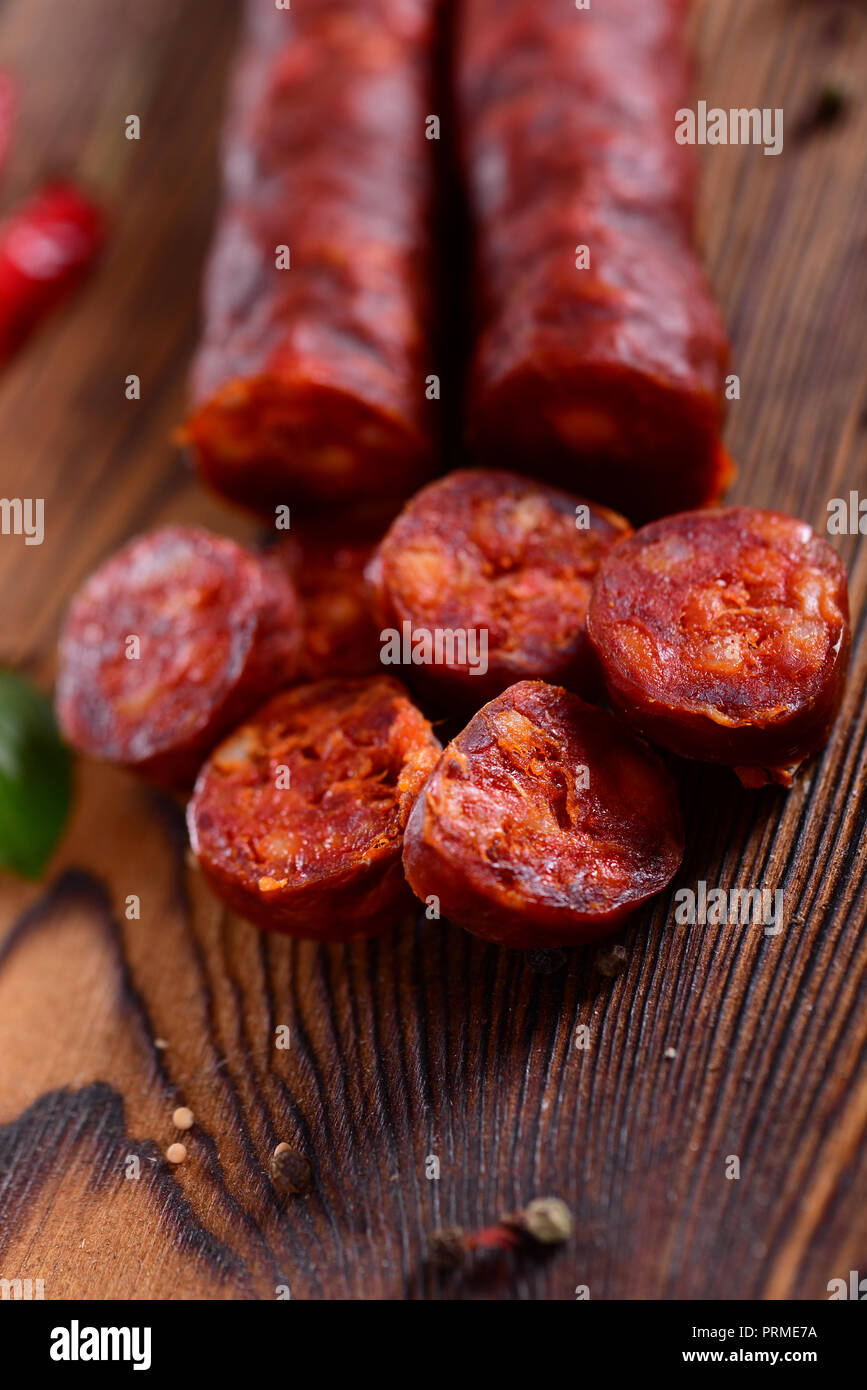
x,y
290,1171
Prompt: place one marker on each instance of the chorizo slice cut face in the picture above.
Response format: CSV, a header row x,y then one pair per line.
x,y
724,635
168,645
502,565
297,818
326,563
544,823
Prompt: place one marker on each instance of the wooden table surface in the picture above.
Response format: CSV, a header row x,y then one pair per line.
x,y
425,1042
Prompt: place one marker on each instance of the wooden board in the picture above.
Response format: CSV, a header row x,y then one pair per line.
x,y
425,1043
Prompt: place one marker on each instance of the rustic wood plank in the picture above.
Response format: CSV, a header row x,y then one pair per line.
x,y
425,1041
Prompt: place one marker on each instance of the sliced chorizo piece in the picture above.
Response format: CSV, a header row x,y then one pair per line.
x,y
600,359
326,561
168,645
499,568
297,818
544,823
310,381
724,635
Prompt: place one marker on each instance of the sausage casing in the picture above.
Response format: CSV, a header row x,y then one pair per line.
x,y
309,384
606,378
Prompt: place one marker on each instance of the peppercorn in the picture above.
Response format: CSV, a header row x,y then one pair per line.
x,y
548,1220
831,102
827,106
290,1170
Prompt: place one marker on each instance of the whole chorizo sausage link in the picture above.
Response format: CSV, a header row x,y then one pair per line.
x,y
599,369
309,382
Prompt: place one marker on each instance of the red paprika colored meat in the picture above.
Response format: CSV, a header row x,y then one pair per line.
x,y
724,635
218,629
607,379
326,562
47,247
298,817
544,823
310,381
502,558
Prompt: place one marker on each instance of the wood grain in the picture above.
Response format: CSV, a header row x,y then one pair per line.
x,y
425,1042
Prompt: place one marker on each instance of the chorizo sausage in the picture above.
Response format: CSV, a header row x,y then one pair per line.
x,y
326,562
297,818
498,570
604,375
724,636
310,381
168,645
544,823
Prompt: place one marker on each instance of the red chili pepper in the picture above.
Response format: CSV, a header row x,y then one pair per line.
x,y
46,247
